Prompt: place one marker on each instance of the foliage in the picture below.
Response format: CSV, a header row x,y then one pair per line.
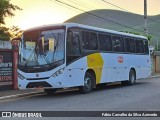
x,y
15,32
149,37
6,10
10,33
4,34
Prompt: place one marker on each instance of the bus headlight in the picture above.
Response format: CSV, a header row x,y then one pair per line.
x,y
21,76
57,73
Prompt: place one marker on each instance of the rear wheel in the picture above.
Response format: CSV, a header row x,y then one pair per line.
x,y
132,78
88,83
50,91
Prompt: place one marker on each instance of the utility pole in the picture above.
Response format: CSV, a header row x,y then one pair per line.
x,y
145,17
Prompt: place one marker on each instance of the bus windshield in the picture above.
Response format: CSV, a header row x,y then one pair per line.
x,y
41,48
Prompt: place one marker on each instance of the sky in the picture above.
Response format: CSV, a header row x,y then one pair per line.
x,y
43,12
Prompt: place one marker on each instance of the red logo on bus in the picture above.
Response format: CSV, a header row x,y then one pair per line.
x,y
120,59
1,58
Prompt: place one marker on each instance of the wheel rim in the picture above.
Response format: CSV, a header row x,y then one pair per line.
x,y
87,82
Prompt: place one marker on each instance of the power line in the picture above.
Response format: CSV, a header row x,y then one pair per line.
x,y
101,17
88,6
129,11
114,6
64,5
81,4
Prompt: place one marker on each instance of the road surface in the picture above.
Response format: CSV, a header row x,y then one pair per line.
x,y
144,96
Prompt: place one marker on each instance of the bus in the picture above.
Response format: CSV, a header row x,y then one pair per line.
x,y
70,55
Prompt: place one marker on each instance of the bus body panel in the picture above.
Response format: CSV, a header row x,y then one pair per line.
x,y
112,70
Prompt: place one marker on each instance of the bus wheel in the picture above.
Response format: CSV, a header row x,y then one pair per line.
x,y
50,91
88,81
132,77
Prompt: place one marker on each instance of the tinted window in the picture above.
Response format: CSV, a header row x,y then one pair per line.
x,y
146,50
105,42
139,46
130,45
118,44
73,47
89,41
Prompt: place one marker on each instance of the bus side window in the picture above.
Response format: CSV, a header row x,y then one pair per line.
x,y
118,44
105,42
89,41
76,47
73,47
146,50
130,45
139,46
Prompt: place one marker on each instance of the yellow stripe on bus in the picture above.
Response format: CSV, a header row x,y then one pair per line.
x,y
95,62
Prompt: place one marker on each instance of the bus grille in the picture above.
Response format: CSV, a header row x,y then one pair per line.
x,y
37,78
38,84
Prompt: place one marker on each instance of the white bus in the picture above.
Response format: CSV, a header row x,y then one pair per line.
x,y
74,55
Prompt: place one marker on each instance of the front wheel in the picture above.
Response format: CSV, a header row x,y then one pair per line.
x,y
88,81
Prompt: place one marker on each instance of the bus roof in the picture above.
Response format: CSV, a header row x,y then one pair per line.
x,y
67,25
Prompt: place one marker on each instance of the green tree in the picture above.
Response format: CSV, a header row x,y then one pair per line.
x,y
6,10
149,36
4,34
15,32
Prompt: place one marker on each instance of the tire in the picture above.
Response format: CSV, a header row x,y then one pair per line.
x,y
88,83
50,91
132,79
